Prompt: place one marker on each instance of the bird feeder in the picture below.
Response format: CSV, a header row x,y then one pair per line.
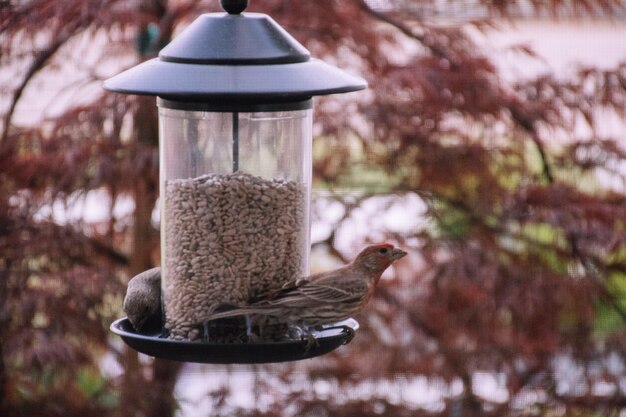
x,y
234,93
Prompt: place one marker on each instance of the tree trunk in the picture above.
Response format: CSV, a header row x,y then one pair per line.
x,y
5,268
152,397
3,374
134,388
162,402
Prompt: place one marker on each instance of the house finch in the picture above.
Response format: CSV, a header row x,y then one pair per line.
x,y
142,303
324,298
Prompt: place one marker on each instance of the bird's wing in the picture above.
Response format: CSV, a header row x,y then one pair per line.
x,y
242,311
315,293
319,277
304,293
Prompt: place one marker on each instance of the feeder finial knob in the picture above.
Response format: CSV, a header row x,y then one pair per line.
x,y
234,6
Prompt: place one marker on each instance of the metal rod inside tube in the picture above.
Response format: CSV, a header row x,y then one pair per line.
x,y
235,141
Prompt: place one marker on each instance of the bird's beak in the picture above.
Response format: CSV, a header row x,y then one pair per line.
x,y
397,254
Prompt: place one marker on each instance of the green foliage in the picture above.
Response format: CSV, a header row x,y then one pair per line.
x,y
95,387
358,169
609,322
611,317
452,223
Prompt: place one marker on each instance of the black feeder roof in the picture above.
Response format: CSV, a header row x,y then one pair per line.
x,y
236,58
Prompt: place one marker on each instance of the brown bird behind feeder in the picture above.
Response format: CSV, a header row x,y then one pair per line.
x,y
142,303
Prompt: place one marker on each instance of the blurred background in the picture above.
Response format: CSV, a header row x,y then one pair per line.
x,y
490,145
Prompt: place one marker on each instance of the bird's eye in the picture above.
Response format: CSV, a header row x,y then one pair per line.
x,y
383,250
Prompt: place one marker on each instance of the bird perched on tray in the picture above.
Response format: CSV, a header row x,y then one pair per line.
x,y
323,298
142,303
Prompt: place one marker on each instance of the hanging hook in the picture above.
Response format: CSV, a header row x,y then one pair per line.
x,y
234,6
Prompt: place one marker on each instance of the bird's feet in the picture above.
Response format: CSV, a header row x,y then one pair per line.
x,y
311,340
252,337
304,333
205,331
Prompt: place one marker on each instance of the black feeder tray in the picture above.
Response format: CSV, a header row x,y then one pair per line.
x,y
153,343
234,62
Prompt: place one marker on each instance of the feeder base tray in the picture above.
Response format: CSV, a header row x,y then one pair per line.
x,y
154,344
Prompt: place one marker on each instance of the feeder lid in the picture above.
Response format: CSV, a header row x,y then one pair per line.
x,y
234,57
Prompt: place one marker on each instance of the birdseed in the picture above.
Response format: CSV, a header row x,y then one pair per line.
x,y
228,239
